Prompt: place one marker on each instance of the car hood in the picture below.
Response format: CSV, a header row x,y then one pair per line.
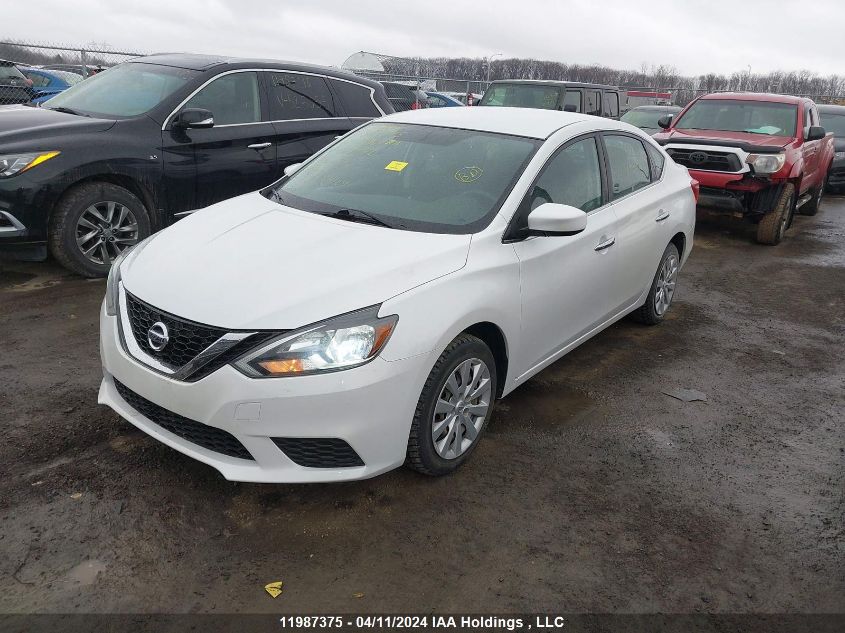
x,y
250,263
726,138
26,123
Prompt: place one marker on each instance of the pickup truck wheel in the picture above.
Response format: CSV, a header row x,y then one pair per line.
x,y
92,224
662,290
811,207
773,225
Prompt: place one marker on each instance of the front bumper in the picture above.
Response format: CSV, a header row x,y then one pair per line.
x,y
369,407
25,204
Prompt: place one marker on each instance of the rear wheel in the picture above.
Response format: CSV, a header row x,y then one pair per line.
x,y
773,225
92,224
662,291
454,406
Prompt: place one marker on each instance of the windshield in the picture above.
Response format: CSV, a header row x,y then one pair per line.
x,y
8,71
522,96
416,177
123,91
833,123
646,119
755,117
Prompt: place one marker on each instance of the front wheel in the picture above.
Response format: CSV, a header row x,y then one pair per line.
x,y
454,407
94,223
773,225
662,289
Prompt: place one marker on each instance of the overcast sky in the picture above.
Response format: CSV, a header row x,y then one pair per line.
x,y
696,36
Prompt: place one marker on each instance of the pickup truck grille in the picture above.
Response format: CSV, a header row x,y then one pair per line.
x,y
707,160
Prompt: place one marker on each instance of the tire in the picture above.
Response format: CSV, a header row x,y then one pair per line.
x,y
73,218
439,458
773,225
811,207
662,291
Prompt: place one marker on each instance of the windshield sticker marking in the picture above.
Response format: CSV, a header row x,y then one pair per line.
x,y
469,174
396,165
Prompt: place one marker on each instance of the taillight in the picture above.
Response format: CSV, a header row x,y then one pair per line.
x,y
696,189
415,105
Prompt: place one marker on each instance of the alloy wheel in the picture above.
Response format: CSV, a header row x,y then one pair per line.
x,y
461,408
105,230
666,280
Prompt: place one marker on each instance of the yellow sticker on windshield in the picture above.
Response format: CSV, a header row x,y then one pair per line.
x,y
396,165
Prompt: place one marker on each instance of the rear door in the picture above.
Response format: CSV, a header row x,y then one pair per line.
x,y
306,115
235,156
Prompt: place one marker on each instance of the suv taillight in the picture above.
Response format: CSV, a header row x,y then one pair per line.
x,y
696,189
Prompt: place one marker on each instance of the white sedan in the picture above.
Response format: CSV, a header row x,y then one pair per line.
x,y
366,310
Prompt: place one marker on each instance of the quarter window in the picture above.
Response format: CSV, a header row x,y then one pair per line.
x,y
629,168
656,160
296,96
231,99
591,102
356,98
572,98
572,177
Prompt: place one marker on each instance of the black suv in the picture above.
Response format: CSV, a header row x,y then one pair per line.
x,y
129,150
569,96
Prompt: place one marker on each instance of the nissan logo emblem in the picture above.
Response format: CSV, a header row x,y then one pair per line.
x,y
158,336
697,157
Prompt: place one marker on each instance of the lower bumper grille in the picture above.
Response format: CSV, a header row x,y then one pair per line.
x,y
208,437
319,452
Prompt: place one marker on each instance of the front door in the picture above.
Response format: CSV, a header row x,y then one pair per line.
x,y
566,282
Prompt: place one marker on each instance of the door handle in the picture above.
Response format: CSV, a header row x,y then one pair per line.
x,y
661,215
259,145
606,244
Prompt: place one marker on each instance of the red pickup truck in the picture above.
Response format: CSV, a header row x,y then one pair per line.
x,y
758,156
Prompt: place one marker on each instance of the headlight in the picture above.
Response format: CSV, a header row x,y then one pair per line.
x,y
766,163
839,156
113,281
11,164
340,343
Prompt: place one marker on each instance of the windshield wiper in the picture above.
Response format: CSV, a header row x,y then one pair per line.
x,y
68,111
355,215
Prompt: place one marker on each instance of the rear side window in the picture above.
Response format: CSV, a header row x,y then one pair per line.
x,y
656,160
629,168
522,96
356,99
571,177
610,105
38,80
572,98
591,102
298,96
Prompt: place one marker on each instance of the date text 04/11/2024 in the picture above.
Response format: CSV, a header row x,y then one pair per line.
x,y
414,622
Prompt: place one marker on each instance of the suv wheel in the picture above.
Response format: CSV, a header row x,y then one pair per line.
x,y
454,407
92,224
773,225
662,291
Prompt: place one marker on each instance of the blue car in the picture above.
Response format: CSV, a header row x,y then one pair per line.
x,y
49,83
441,100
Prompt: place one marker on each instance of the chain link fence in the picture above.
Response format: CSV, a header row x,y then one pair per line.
x,y
34,72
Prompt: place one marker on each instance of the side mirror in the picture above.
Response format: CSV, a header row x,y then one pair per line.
x,y
665,121
570,108
556,219
196,118
290,170
815,133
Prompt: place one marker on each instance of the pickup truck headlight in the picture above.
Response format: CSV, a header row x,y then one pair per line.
x,y
12,164
766,163
339,343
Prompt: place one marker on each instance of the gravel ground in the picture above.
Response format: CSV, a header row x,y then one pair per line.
x,y
592,490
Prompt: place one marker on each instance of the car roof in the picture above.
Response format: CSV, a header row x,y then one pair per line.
x,y
831,108
553,82
755,96
193,61
530,122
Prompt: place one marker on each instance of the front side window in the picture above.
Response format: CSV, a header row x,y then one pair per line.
x,y
415,177
232,99
572,177
522,96
591,102
125,90
356,98
629,168
834,123
730,115
572,98
299,96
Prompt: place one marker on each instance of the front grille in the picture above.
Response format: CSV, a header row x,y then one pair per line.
x,y
187,338
319,452
707,160
209,437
